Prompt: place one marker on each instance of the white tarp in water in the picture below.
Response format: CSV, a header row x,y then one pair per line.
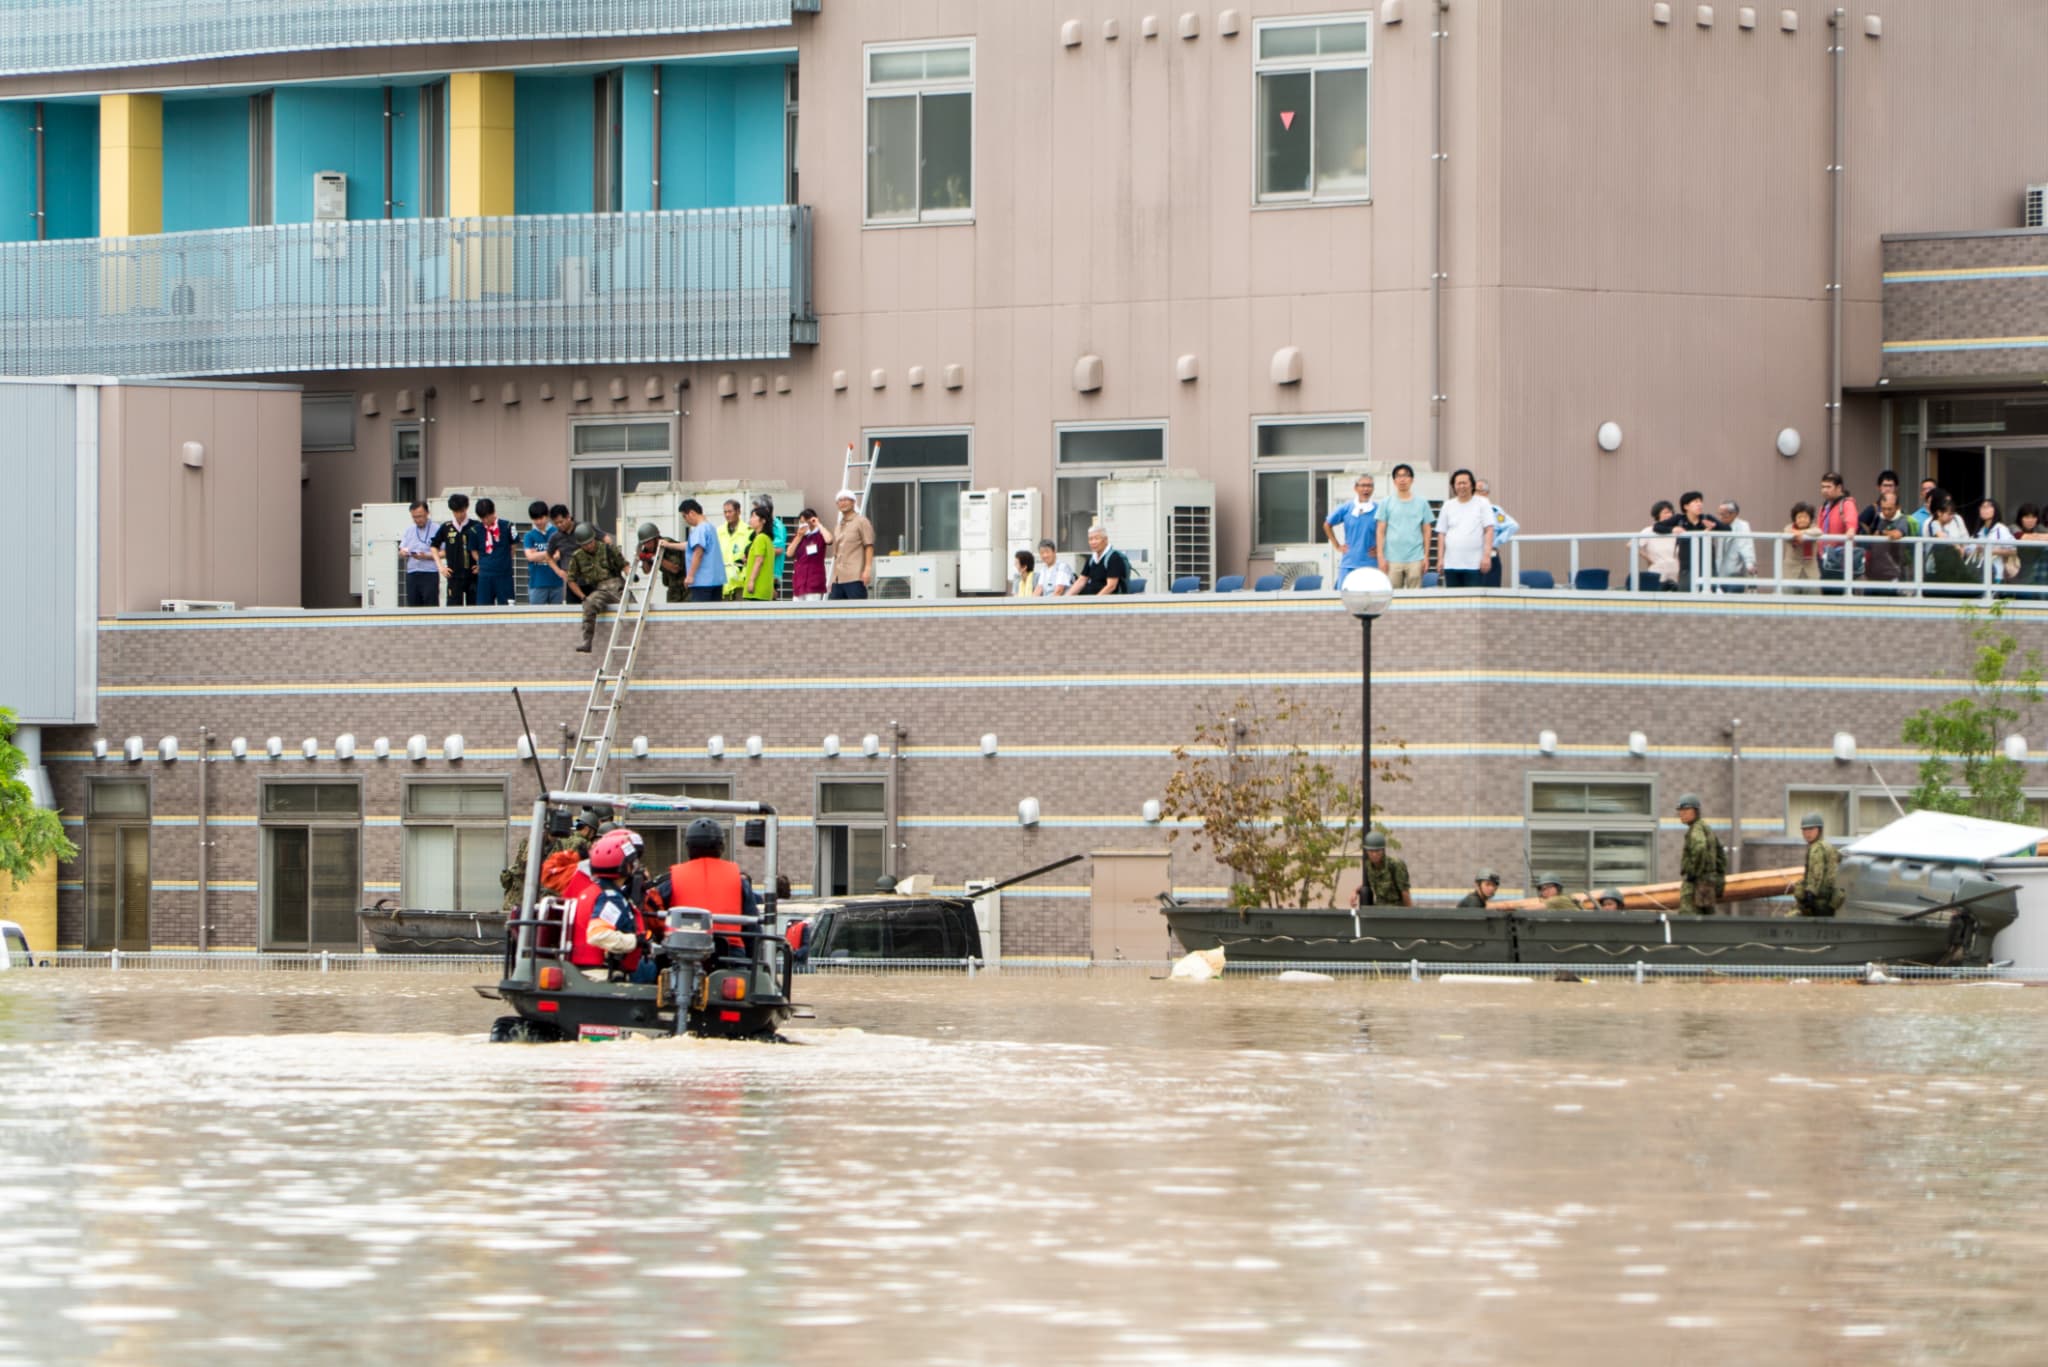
x,y
1941,838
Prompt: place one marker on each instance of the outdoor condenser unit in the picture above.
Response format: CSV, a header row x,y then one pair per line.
x,y
1165,524
932,575
2034,213
1294,562
984,542
988,917
1024,521
330,216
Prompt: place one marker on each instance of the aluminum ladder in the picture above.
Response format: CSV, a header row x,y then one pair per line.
x,y
856,466
614,676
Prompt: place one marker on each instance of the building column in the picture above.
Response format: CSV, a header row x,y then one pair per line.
x,y
480,177
131,165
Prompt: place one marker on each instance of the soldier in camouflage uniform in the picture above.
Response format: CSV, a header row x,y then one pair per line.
x,y
513,879
597,574
1386,876
1551,889
1483,889
1610,899
1818,894
1703,867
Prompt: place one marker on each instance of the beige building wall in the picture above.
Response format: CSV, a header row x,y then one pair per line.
x,y
225,530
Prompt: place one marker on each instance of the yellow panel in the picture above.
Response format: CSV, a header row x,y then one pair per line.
x,y
480,143
131,165
33,905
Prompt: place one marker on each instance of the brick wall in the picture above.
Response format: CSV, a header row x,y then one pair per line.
x,y
1086,701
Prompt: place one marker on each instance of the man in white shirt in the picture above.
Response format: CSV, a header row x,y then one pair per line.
x,y
1465,523
1735,556
1056,574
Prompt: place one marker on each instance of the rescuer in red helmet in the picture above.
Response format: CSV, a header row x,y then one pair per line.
x,y
605,930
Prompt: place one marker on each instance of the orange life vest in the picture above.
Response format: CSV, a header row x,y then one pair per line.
x,y
584,954
712,884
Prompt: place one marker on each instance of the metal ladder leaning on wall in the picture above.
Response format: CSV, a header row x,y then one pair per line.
x,y
614,676
856,466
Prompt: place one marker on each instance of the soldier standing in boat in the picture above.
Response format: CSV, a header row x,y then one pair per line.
x,y
1386,876
1818,894
1484,888
1703,867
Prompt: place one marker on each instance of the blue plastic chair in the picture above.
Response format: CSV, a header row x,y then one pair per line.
x,y
1308,583
1429,579
1590,581
1649,581
1538,579
1230,583
1187,583
1268,583
1138,585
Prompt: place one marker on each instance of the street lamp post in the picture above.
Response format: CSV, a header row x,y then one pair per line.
x,y
1366,593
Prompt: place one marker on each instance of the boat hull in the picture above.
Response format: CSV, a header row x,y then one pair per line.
x,y
1565,937
391,930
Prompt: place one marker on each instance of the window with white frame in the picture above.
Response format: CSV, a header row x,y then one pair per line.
x,y
1851,812
853,835
608,460
1293,462
914,490
1593,832
454,847
920,124
1315,108
1084,453
663,831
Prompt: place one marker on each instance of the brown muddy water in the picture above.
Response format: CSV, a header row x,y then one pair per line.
x,y
1028,1170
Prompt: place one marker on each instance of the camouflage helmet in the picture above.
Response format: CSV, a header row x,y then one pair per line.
x,y
1487,876
1813,821
584,534
1612,895
592,817
648,532
1375,840
1691,800
1549,880
605,828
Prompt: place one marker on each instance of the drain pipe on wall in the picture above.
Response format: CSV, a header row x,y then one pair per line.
x,y
654,201
1439,36
897,731
1838,53
205,837
1735,794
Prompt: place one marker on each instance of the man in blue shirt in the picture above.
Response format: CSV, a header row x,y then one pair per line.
x,y
1504,529
543,585
705,571
1353,528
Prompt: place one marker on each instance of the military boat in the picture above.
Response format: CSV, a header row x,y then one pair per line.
x,y
1917,893
390,929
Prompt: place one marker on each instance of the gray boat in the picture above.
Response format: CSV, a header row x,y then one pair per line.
x,y
406,930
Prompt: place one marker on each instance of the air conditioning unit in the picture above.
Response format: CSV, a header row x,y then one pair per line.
x,y
984,542
1165,524
194,605
197,297
931,575
988,917
1024,533
1293,562
2034,208
355,553
574,275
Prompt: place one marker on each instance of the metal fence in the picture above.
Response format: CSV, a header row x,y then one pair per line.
x,y
1773,562
84,35
554,289
489,966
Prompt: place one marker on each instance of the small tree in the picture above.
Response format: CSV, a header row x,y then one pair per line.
x,y
1265,788
29,835
1965,738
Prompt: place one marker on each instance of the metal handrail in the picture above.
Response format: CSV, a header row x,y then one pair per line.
x,y
548,289
1916,560
86,35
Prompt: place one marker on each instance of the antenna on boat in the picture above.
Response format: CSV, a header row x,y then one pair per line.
x,y
532,751
1887,790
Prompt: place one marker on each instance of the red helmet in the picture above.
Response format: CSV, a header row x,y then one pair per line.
x,y
613,852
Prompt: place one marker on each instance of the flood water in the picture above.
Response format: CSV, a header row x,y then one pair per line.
x,y
1028,1170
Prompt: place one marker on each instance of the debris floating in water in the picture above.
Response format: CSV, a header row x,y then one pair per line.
x,y
1199,966
1299,975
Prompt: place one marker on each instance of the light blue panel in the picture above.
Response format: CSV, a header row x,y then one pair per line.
x,y
71,161
759,136
721,136
18,171
323,129
206,163
551,144
405,151
636,140
50,629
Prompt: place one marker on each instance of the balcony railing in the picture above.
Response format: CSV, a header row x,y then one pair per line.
x,y
89,35
565,289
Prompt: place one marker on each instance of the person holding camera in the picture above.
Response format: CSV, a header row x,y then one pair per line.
x,y
807,573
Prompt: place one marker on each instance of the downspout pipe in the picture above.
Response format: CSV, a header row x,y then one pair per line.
x,y
896,734
205,837
1439,35
1735,793
388,127
42,181
29,740
1837,172
655,200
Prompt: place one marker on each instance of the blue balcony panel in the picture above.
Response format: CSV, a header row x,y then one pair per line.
x,y
379,294
92,35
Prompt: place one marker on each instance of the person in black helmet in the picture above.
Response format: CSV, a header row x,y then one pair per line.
x,y
706,878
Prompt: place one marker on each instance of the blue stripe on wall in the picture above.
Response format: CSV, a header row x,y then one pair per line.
x,y
71,160
319,128
206,163
553,134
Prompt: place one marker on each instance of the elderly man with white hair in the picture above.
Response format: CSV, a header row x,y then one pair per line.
x,y
1107,571
853,550
1734,556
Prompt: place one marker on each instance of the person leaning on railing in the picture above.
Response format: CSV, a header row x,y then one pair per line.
x,y
2000,544
1886,524
1945,564
2027,529
1802,554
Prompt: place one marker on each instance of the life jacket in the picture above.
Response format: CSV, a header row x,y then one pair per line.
x,y
714,885
582,953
